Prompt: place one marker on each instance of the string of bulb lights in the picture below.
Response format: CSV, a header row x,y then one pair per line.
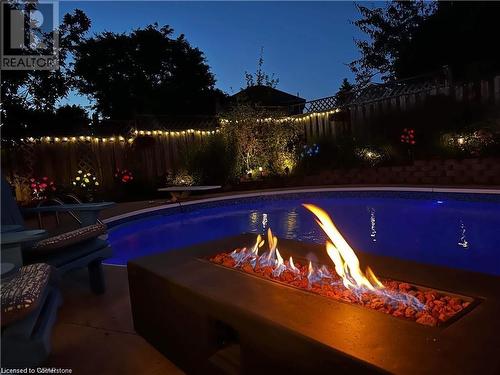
x,y
158,133
120,139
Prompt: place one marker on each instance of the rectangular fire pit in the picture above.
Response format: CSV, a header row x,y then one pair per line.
x,y
207,318
400,299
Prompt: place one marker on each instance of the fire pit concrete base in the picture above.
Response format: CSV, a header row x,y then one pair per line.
x,y
211,319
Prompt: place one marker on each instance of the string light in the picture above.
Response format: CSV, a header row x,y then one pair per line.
x,y
134,134
137,133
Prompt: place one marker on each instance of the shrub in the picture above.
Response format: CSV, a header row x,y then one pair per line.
x,y
85,185
262,140
211,162
477,140
180,178
370,156
41,188
328,153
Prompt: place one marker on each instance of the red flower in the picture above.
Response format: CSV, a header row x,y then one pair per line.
x,y
33,186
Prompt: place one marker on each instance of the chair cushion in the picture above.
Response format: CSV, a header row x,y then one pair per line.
x,y
22,293
76,255
70,238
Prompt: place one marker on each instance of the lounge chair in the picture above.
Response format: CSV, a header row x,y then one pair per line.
x,y
86,246
30,298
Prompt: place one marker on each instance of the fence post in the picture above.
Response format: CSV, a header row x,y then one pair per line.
x,y
496,89
484,91
459,93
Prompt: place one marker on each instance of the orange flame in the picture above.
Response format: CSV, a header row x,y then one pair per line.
x,y
258,244
279,259
342,255
292,265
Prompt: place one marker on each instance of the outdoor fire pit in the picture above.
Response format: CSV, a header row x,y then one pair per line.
x,y
346,282
247,305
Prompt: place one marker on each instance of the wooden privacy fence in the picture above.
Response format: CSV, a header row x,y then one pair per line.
x,y
152,154
356,115
149,157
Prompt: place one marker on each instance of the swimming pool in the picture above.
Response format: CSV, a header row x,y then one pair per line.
x,y
454,230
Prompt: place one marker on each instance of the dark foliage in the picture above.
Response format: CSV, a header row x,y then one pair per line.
x,y
25,93
433,118
260,77
410,38
146,72
212,162
331,154
65,120
389,30
460,35
345,92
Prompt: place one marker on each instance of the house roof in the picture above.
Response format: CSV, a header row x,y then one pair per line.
x,y
267,96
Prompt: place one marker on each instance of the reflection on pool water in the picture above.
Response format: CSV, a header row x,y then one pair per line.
x,y
447,230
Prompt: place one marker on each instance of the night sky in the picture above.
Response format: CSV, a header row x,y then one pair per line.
x,y
306,44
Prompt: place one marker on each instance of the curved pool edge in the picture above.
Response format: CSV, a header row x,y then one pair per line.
x,y
112,221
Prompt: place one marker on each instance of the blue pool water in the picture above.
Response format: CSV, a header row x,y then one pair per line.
x,y
457,231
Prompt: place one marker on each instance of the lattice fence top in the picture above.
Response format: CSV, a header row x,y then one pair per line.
x,y
320,105
373,93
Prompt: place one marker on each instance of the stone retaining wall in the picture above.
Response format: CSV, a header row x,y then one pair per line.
x,y
484,171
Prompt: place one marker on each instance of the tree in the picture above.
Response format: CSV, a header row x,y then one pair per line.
x,y
344,94
261,78
389,30
25,92
146,72
71,119
40,89
410,38
460,36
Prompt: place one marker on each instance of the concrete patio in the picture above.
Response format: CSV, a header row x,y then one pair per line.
x,y
95,334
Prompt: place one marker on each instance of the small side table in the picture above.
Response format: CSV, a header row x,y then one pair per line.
x,y
11,245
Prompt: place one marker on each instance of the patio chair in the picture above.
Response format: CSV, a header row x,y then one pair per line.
x,y
86,246
29,302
